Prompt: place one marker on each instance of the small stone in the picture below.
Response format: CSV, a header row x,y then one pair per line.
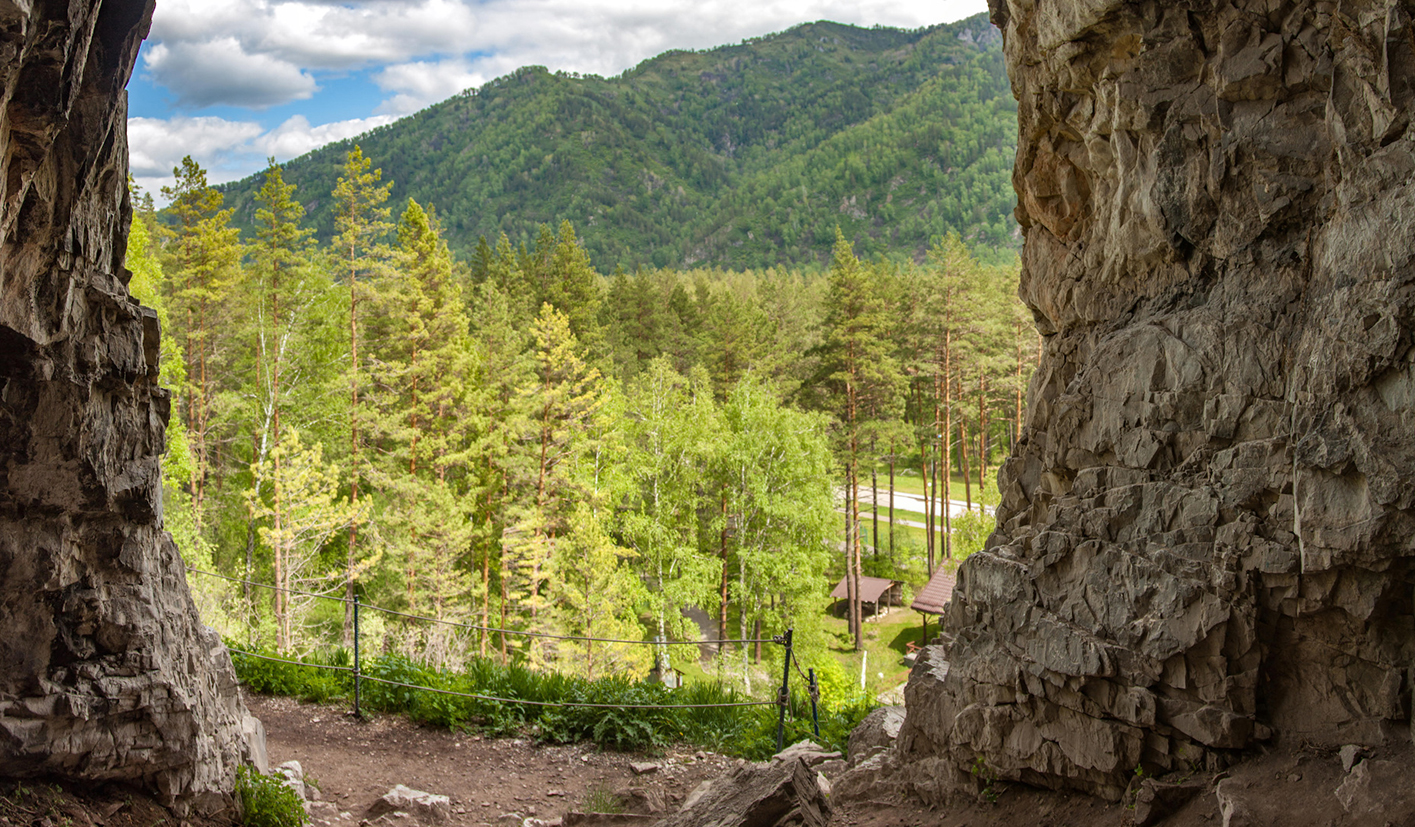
x,y
643,767
1350,755
403,802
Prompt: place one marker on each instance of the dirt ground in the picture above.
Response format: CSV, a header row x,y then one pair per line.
x,y
501,782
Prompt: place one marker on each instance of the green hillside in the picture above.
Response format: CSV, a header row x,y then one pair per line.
x,y
741,156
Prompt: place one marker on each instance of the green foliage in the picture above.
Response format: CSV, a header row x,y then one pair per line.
x,y
742,156
267,801
987,780
970,532
746,731
603,800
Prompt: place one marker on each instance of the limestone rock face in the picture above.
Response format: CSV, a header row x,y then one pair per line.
x,y
1206,532
105,670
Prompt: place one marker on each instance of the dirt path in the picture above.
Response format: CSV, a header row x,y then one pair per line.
x,y
500,782
353,763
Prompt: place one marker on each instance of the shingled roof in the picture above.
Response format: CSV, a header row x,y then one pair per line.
x,y
935,596
870,589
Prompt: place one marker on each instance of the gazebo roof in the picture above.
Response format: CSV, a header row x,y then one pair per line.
x,y
870,589
935,596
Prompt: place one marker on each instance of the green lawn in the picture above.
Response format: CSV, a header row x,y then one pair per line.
x,y
909,481
885,641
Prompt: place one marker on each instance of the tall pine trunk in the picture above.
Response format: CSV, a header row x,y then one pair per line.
x,y
891,499
353,447
963,454
945,448
874,509
982,434
722,587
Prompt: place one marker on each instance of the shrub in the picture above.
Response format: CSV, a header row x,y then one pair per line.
x,y
267,802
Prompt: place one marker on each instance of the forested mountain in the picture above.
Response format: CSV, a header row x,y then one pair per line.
x,y
743,156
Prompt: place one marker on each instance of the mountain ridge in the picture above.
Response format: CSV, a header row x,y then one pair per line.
x,y
740,156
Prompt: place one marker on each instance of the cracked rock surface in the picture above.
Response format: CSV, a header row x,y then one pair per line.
x,y
1205,534
105,670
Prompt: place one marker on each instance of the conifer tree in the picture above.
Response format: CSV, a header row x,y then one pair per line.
x,y
203,250
361,220
593,591
421,372
501,421
282,285
861,373
564,398
307,489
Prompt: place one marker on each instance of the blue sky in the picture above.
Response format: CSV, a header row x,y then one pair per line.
x,y
233,82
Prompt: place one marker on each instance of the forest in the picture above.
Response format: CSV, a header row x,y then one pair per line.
x,y
516,440
739,157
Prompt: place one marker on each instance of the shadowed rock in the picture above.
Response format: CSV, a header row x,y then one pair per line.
x,y
107,671
1205,534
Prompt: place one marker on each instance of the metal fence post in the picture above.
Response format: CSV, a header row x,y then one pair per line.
x,y
357,712
815,699
783,695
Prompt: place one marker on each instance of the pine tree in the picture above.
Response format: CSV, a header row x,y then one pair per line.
x,y
361,221
592,591
282,284
203,250
421,370
861,375
562,401
501,422
304,513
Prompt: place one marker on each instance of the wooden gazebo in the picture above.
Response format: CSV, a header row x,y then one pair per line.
x,y
877,591
933,599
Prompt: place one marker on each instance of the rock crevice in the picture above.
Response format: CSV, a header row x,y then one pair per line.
x,y
1206,532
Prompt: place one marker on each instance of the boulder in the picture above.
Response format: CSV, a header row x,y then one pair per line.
x,y
758,795
1378,792
1156,800
426,808
877,732
812,753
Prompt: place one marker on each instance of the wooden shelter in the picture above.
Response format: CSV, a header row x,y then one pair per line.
x,y
933,599
877,591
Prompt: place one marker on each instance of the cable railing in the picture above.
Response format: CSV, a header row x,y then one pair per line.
x,y
782,700
477,627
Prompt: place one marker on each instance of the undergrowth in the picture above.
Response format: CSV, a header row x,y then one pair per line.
x,y
747,732
267,802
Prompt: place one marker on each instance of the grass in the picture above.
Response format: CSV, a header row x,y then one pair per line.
x,y
885,641
618,721
909,481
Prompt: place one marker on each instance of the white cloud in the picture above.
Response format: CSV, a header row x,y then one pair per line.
x,y
219,71
295,136
228,150
156,146
417,84
261,52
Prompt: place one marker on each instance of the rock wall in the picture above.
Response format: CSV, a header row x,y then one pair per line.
x,y
1206,532
105,670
